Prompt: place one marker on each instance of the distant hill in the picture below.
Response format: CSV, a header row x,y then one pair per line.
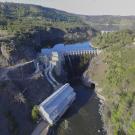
x,y
109,22
14,14
24,16
16,10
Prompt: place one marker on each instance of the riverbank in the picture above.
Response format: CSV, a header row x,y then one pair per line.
x,y
83,117
114,72
93,74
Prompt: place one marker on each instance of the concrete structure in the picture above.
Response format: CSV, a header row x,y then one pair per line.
x,y
134,41
71,49
56,54
55,61
54,58
49,76
106,31
41,129
44,59
55,106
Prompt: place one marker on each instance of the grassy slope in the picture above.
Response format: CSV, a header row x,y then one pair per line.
x,y
114,71
108,22
18,17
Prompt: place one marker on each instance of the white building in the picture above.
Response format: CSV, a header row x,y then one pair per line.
x,y
106,31
54,58
55,106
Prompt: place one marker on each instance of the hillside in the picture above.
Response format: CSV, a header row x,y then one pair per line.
x,y
20,90
17,17
110,23
30,28
113,72
15,10
36,16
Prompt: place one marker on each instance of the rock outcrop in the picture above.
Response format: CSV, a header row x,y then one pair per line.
x,y
20,89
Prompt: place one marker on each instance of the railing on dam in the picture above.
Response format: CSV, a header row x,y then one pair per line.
x,y
72,49
81,52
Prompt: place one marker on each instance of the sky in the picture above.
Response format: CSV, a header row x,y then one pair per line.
x,y
87,7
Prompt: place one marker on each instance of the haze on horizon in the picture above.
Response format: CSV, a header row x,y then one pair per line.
x,y
87,7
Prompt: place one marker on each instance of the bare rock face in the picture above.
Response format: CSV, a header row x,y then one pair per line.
x,y
14,53
86,80
6,50
21,90
21,72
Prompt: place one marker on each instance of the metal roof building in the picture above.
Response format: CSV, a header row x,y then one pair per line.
x,y
55,106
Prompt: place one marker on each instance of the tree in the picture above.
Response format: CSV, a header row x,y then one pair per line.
x,y
35,113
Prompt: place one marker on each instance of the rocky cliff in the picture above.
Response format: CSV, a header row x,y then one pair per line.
x,y
20,90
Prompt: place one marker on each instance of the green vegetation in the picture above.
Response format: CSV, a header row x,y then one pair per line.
x,y
28,24
20,17
30,28
121,38
35,113
110,23
118,81
84,61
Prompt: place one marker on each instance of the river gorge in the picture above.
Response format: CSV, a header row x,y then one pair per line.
x,y
83,117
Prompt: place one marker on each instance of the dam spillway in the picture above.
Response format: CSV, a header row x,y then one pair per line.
x,y
71,49
56,56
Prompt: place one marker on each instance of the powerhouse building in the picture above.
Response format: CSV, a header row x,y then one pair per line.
x,y
55,106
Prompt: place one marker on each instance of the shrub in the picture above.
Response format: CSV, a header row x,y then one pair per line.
x,y
35,113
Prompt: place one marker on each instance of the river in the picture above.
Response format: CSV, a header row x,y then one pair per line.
x,y
83,117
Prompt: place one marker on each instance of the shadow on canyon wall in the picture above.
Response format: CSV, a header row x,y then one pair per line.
x,y
75,65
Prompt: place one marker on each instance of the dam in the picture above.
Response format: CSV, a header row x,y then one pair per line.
x,y
83,116
71,49
52,108
56,56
